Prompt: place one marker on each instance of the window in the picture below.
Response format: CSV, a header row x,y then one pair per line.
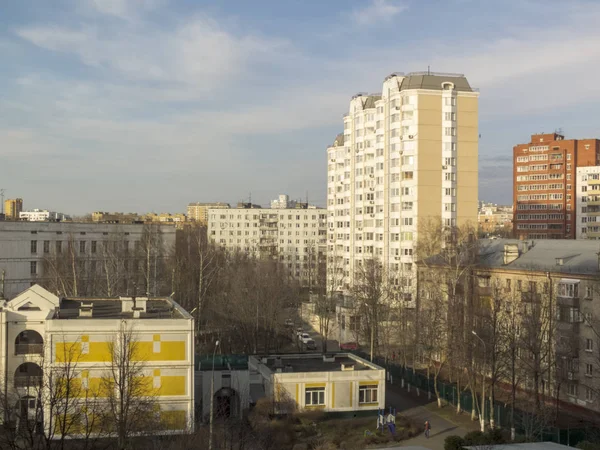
x,y
508,284
568,290
58,246
519,285
588,369
33,246
33,267
589,394
589,293
572,389
94,246
368,394
81,246
46,246
314,396
589,345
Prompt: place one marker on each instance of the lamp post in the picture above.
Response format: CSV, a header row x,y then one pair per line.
x,y
482,418
212,396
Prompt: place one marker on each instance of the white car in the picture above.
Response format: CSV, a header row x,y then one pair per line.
x,y
304,337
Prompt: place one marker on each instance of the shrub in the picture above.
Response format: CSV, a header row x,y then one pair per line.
x,y
454,443
496,436
475,438
587,445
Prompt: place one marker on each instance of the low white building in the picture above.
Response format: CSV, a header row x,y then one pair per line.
x,y
42,215
295,236
587,204
29,249
332,383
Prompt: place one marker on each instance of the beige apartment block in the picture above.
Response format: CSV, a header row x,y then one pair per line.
x,y
549,289
43,336
294,236
407,154
198,212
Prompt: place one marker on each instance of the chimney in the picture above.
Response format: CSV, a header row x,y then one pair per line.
x,y
511,253
86,309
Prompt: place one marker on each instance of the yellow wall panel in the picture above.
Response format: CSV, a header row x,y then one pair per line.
x,y
174,420
169,351
172,385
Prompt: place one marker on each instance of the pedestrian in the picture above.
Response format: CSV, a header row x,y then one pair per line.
x,y
427,428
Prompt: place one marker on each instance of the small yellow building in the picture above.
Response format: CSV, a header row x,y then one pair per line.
x,y
332,383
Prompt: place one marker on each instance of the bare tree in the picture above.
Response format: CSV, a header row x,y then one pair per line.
x,y
372,295
131,407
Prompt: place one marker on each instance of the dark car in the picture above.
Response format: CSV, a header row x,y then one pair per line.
x,y
310,344
349,346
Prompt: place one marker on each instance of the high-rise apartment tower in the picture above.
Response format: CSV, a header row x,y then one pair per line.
x,y
407,154
545,184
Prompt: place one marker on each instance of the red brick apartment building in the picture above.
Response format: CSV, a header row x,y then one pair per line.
x,y
544,184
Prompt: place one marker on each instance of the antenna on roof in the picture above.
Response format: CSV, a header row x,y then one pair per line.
x,y
428,70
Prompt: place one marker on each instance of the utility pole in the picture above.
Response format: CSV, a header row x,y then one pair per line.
x,y
482,418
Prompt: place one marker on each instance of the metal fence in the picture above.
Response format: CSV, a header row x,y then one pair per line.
x,y
524,421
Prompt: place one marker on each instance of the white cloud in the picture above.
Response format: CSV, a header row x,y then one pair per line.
x,y
124,9
378,11
198,52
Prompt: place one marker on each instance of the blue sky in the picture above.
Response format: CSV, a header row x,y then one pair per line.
x,y
146,105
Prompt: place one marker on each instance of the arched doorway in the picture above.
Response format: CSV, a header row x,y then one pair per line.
x,y
29,342
226,403
28,375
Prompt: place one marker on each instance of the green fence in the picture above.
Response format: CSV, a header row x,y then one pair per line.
x,y
524,421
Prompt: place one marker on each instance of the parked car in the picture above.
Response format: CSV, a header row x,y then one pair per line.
x,y
349,346
304,337
310,344
289,323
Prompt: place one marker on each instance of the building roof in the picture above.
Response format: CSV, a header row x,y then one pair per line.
x,y
421,80
103,308
565,256
339,140
368,102
523,446
310,362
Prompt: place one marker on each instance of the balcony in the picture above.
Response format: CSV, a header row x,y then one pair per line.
x,y
28,381
28,375
568,301
29,342
29,349
567,327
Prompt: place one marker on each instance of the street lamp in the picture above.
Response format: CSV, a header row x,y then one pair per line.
x,y
482,418
212,396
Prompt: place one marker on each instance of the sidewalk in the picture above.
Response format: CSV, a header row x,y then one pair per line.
x,y
444,421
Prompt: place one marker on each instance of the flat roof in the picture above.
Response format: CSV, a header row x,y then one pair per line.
x,y
103,308
315,362
523,446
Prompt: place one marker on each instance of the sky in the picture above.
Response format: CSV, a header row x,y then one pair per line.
x,y
147,105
